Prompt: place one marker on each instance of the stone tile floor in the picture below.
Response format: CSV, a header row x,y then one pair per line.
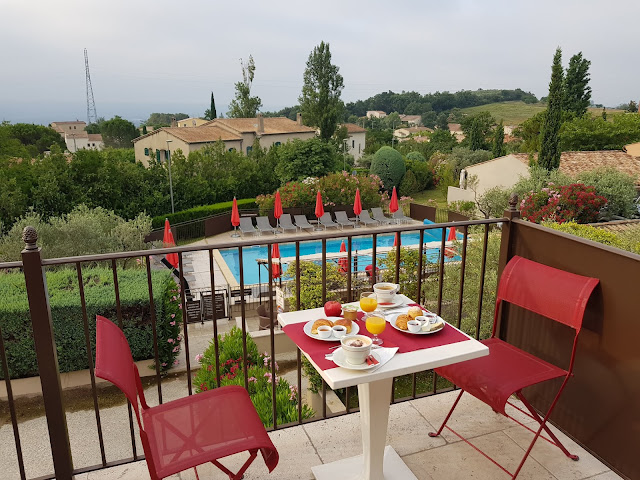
x,y
442,458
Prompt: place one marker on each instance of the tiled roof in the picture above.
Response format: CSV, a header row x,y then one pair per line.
x,y
353,128
574,163
633,149
201,134
95,137
618,226
272,125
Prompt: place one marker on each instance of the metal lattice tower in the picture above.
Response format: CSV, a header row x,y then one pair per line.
x,y
92,116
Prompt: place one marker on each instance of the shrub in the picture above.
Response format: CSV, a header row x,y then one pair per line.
x,y
422,171
586,231
389,165
311,284
416,156
463,207
260,382
617,187
300,159
68,323
409,184
201,212
570,202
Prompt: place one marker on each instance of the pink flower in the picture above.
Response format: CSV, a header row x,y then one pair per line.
x,y
175,349
173,315
170,340
164,364
253,379
180,307
173,324
199,357
176,362
179,338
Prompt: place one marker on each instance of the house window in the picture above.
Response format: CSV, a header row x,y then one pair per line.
x,y
166,154
353,144
232,149
157,155
359,147
249,150
278,143
146,152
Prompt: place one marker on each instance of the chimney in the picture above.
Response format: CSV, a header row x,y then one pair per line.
x,y
193,122
260,123
299,118
173,122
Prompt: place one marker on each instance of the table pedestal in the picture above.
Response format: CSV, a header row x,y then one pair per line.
x,y
377,462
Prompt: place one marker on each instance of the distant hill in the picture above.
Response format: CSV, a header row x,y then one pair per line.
x,y
511,113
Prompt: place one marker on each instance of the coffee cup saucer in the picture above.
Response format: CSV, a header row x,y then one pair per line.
x,y
396,301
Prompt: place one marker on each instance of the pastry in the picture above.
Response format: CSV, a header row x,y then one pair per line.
x,y
432,327
414,312
401,321
346,322
319,322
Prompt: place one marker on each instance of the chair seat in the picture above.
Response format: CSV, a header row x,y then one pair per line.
x,y
495,377
200,428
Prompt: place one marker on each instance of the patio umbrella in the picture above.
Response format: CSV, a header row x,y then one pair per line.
x,y
168,241
275,268
277,208
357,206
319,207
393,206
452,234
235,218
343,262
397,240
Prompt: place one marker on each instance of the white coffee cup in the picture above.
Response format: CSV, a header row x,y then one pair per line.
x,y
356,348
414,326
339,331
324,331
385,291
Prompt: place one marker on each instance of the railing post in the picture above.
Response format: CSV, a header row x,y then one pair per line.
x,y
46,354
506,244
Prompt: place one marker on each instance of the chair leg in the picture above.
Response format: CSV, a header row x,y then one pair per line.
x,y
435,434
240,474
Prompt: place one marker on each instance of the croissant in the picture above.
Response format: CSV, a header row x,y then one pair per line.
x,y
320,322
346,322
401,321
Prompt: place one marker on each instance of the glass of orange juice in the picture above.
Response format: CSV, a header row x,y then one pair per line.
x,y
376,323
368,301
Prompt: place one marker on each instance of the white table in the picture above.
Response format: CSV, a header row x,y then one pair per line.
x,y
374,392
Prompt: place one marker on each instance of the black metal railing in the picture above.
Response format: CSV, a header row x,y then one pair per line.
x,y
34,270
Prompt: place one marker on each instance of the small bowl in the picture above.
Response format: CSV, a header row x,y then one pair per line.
x,y
431,317
414,326
339,331
324,331
356,354
422,319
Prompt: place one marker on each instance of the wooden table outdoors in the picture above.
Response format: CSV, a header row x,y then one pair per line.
x,y
379,462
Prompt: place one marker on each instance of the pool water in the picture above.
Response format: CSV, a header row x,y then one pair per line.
x,y
250,255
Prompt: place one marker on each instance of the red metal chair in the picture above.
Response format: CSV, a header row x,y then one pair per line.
x,y
189,431
547,291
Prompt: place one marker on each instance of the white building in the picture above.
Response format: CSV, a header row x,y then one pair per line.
x,y
355,140
83,140
376,114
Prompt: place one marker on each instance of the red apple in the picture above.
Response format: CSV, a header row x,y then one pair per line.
x,y
332,309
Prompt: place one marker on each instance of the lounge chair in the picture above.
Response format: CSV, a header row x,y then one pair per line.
x,y
286,223
366,218
343,220
400,217
264,225
326,221
246,226
302,222
380,216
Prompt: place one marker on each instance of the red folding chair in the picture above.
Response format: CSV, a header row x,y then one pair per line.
x,y
547,291
189,431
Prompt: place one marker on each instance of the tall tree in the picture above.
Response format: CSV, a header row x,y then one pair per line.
x,y
549,157
498,141
244,105
577,92
320,102
118,132
210,113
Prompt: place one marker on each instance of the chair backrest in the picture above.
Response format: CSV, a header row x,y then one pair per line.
x,y
285,219
365,214
246,222
341,215
326,218
301,220
377,211
548,291
264,222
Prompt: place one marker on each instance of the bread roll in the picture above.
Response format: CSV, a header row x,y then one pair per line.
x,y
414,312
320,322
346,322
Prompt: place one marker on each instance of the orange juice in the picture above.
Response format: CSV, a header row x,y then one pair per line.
x,y
375,325
368,304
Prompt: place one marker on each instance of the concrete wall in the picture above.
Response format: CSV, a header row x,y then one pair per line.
x,y
75,144
355,144
455,194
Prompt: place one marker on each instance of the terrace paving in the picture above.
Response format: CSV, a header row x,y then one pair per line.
x,y
302,447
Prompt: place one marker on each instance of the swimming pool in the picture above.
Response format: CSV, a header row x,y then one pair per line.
x,y
250,255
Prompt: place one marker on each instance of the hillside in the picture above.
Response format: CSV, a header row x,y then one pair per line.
x,y
511,113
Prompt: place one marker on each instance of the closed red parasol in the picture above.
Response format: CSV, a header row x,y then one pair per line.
x,y
452,234
275,254
357,207
168,241
277,206
393,206
343,262
319,207
397,241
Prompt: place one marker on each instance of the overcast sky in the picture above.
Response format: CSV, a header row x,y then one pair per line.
x,y
167,55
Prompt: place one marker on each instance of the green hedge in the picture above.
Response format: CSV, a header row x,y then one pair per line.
x,y
201,212
66,311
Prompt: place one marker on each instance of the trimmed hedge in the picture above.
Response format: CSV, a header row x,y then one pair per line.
x,y
68,324
201,212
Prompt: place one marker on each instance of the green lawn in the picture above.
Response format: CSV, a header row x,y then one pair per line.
x,y
440,196
511,113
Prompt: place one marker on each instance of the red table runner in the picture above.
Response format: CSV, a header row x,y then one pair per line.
x,y
406,342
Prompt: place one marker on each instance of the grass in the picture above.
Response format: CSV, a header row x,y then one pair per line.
x,y
511,113
436,194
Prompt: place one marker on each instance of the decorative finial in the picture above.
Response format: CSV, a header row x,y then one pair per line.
x,y
513,201
30,237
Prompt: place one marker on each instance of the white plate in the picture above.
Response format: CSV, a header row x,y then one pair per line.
x,y
307,329
340,360
393,318
397,301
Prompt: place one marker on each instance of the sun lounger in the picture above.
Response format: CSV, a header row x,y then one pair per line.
x,y
366,218
379,216
264,225
400,217
326,221
302,222
343,220
286,223
246,226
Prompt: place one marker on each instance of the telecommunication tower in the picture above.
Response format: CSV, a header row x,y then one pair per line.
x,y
92,116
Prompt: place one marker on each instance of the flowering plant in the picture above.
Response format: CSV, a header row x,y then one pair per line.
x,y
169,328
576,202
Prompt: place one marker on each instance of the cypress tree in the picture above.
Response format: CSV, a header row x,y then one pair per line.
x,y
213,108
549,157
498,141
144,129
577,90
